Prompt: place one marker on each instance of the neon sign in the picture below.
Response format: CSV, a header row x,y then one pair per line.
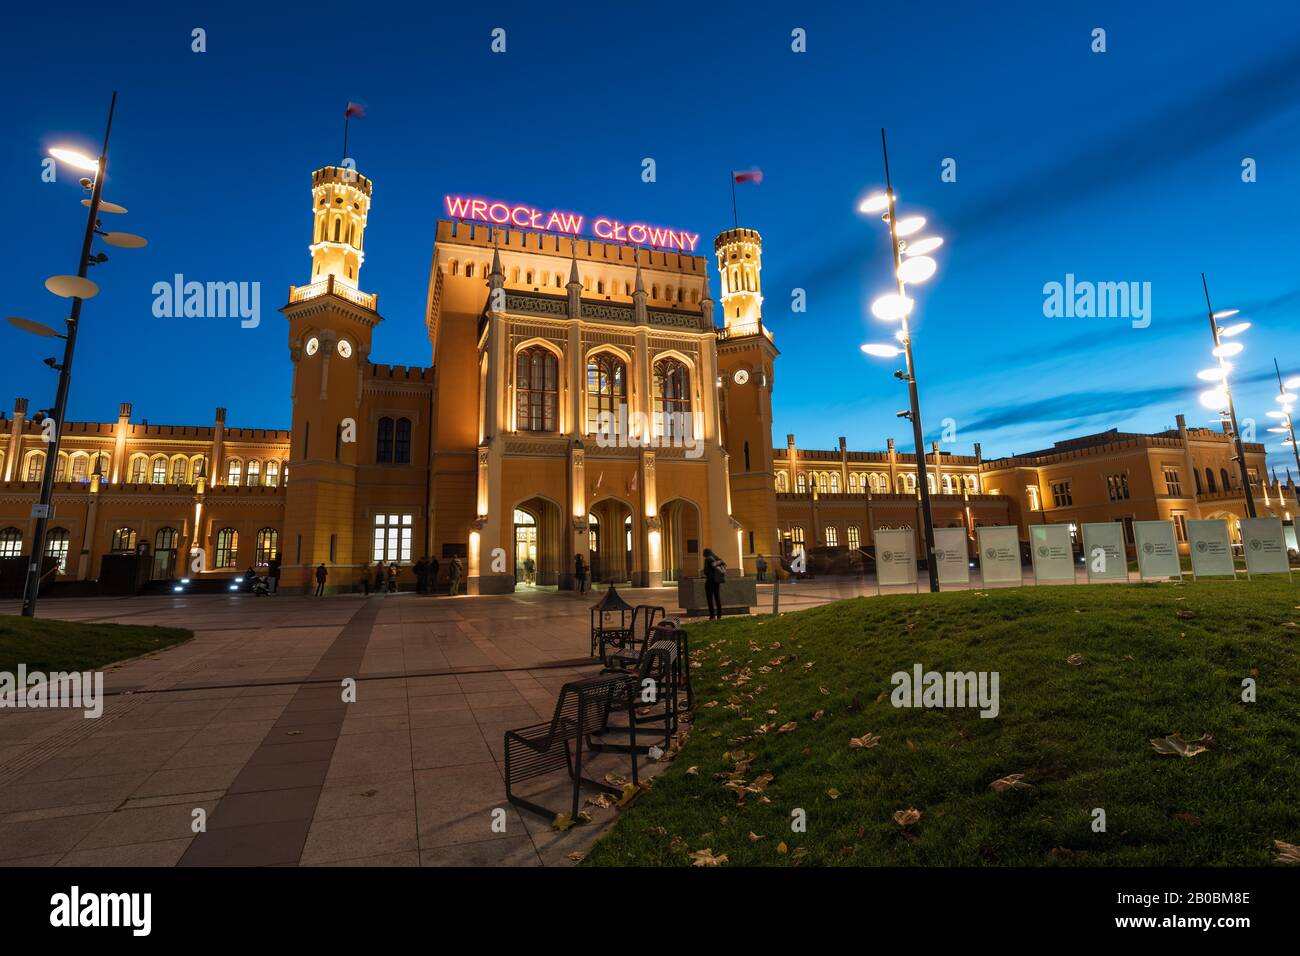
x,y
543,220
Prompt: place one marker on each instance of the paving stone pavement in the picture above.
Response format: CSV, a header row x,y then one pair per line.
x,y
246,722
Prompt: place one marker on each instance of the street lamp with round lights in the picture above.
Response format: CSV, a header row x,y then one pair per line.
x,y
912,266
1220,398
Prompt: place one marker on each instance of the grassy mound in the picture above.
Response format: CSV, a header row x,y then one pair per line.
x,y
1155,660
48,645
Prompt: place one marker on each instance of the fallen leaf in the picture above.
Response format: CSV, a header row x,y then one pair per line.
x,y
562,822
692,771
911,746
905,818
1013,781
782,848
1286,852
864,742
754,837
818,715
705,857
786,728
833,793
1075,659
577,856
1175,745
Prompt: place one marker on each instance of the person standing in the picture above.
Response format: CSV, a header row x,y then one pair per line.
x,y
453,576
580,572
321,575
421,575
433,575
273,572
530,569
379,577
715,572
392,578
761,566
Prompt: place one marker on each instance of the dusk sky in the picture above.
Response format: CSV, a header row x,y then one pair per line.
x,y
1122,166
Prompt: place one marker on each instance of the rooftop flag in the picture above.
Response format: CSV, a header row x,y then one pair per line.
x,y
754,176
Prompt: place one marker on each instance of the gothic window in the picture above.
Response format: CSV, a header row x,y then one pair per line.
x,y
138,465
802,483
1223,473
402,442
855,537
832,537
227,548
253,477
606,387
822,484
673,399
536,389
56,546
234,468
124,539
268,543
272,473
179,467
835,483
11,543
384,441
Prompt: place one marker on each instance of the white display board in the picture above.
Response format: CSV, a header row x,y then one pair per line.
x,y
895,556
950,555
1265,546
1104,554
1210,547
1157,549
999,549
1052,552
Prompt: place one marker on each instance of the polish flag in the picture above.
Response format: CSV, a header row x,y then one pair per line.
x,y
354,109
754,176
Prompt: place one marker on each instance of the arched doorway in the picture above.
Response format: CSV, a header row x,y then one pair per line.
x,y
679,522
538,536
612,542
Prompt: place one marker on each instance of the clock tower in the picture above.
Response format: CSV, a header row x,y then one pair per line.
x,y
746,359
330,326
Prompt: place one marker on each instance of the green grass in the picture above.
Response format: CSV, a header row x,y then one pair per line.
x,y
1080,734
48,645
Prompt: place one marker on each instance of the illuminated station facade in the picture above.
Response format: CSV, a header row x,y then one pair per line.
x,y
586,396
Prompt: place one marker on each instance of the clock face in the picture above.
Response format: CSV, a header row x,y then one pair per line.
x,y
313,345
740,377
345,348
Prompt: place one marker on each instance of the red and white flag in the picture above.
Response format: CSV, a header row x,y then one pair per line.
x,y
354,110
754,176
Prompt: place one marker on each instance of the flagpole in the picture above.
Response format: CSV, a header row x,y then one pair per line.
x,y
347,118
735,220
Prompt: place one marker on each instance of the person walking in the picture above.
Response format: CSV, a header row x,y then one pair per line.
x,y
379,577
392,578
761,566
321,575
453,576
433,575
715,572
421,575
580,572
530,569
273,572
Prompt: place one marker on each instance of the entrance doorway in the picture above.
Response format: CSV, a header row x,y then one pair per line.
x,y
679,520
525,548
538,538
612,542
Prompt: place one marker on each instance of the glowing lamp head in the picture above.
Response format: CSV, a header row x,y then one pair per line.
x,y
876,202
892,307
923,247
75,158
882,351
1228,349
1214,398
1226,314
917,269
909,225
1292,384
1235,329
1212,374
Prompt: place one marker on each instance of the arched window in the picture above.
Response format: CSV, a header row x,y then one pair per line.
x,y
80,467
164,540
823,485
227,548
455,267
1209,480
835,482
402,442
234,468
124,539
61,467
802,483
253,478
673,399
469,270
11,543
56,546
855,537
272,473
35,466
929,482
268,545
853,482
537,389
606,387
139,468
384,441
1223,473
947,484
782,483
593,533
796,536
180,470
158,471
972,485
832,537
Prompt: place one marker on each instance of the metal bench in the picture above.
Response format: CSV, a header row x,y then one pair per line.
x,y
658,676
629,654
582,710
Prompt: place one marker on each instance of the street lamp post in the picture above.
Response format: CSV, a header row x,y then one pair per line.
x,y
1286,397
1224,393
65,374
917,268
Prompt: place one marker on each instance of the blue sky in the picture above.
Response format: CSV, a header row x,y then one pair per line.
x,y
1115,166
